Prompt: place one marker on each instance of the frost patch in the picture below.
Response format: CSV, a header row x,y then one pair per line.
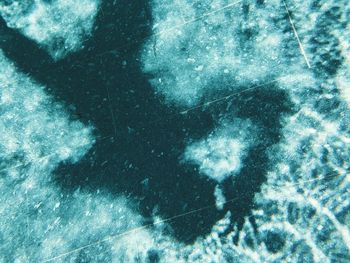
x,y
34,127
59,25
220,155
217,157
219,198
38,220
224,49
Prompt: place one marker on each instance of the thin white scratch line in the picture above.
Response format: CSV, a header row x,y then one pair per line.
x,y
176,26
112,113
327,176
110,237
208,103
296,35
237,93
253,87
199,17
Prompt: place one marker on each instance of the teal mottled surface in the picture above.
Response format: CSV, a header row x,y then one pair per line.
x,y
174,131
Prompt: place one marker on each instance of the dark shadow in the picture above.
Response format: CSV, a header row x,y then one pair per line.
x,y
264,107
30,58
139,139
138,146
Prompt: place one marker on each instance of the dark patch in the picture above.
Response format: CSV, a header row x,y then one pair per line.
x,y
139,139
325,46
293,212
153,256
264,107
274,241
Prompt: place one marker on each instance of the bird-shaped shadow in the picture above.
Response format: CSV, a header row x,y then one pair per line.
x,y
139,138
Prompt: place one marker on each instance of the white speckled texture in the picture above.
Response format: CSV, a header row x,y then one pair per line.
x,y
60,26
198,49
